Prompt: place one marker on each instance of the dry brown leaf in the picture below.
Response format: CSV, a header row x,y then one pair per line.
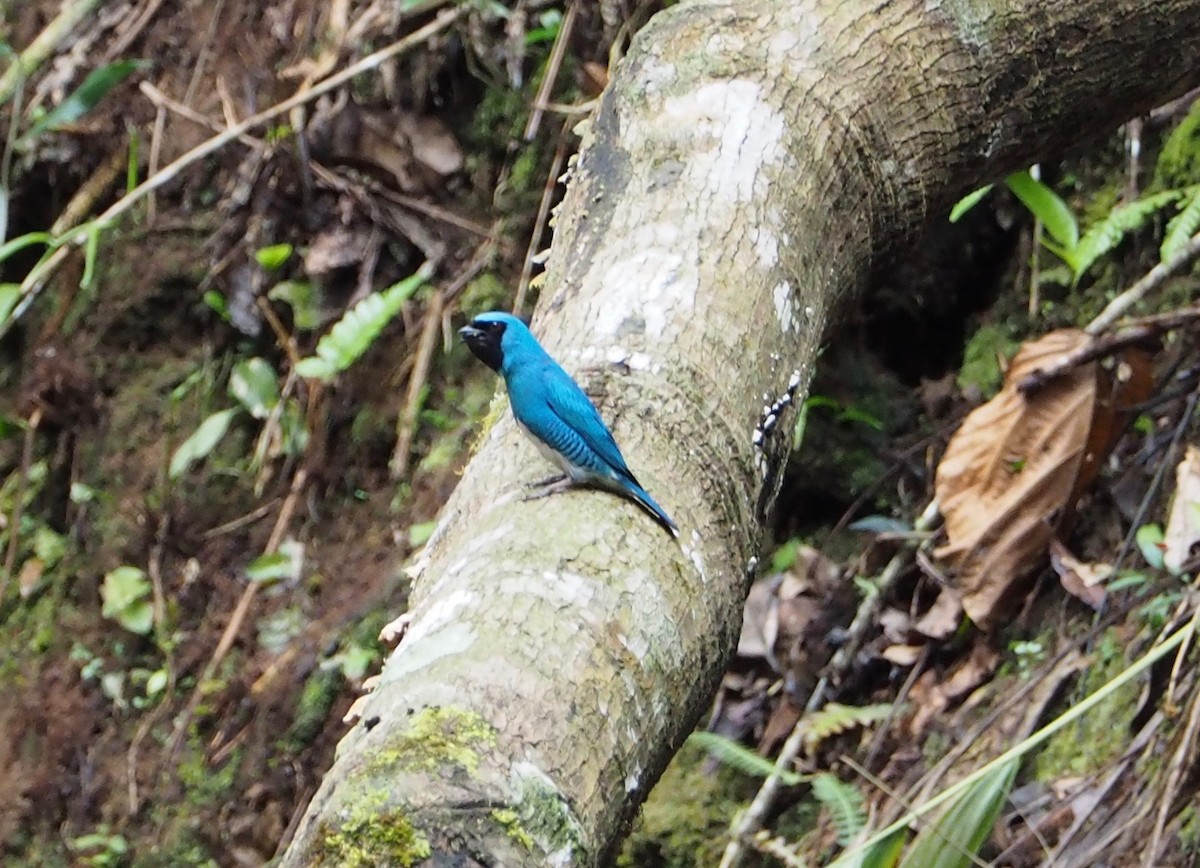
x,y
1079,578
1183,523
902,655
943,616
30,578
1007,475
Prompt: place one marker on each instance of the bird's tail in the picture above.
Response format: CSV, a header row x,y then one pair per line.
x,y
646,502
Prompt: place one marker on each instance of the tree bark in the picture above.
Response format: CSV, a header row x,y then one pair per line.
x,y
746,168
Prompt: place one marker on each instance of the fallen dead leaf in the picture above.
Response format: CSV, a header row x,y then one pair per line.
x,y
1079,578
943,616
932,694
1183,523
1008,473
902,655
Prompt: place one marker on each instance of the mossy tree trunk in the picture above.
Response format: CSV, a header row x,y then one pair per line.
x,y
749,163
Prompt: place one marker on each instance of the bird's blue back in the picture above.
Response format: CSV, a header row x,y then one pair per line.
x,y
550,404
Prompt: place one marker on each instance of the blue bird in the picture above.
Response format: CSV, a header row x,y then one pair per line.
x,y
554,412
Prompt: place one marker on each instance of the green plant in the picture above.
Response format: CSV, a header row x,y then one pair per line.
x,y
358,328
126,594
100,848
1081,251
253,383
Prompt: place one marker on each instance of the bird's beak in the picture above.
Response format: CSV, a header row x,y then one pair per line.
x,y
469,333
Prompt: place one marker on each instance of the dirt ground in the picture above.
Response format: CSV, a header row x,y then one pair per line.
x,y
101,760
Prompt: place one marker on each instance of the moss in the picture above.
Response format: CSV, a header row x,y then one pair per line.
x,y
317,697
437,737
369,839
1103,733
981,359
548,818
686,819
203,784
513,828
1189,830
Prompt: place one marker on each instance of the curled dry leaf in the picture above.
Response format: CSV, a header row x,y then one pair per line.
x,y
1183,524
1079,578
1008,473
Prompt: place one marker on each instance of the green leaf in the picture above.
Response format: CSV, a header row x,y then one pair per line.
x,y
1103,236
1047,206
358,328
10,294
272,258
84,98
269,568
967,202
302,297
1182,226
836,718
419,534
156,682
880,524
283,564
962,829
740,757
883,854
49,546
125,592
844,803
1149,538
203,440
217,302
254,384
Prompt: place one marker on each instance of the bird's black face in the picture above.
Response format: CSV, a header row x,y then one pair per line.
x,y
484,338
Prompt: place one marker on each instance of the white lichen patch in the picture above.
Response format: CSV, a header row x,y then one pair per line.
x,y
785,306
416,654
616,354
650,283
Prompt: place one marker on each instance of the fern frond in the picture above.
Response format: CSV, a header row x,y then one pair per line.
x,y
836,718
358,328
844,803
740,757
1102,237
1183,225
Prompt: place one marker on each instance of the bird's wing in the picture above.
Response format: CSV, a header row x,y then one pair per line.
x,y
576,411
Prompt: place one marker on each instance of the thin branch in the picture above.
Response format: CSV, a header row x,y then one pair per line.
x,y
1152,281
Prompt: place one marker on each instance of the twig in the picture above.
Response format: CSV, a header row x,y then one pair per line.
x,y
406,425
237,619
44,43
543,214
1179,762
553,66
751,819
36,280
239,522
1135,332
1150,282
162,101
132,30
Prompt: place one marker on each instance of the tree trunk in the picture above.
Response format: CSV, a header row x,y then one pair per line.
x,y
749,163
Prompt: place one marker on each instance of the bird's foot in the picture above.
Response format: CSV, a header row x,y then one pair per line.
x,y
552,486
549,480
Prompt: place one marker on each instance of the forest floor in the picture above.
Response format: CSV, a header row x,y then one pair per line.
x,y
197,551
